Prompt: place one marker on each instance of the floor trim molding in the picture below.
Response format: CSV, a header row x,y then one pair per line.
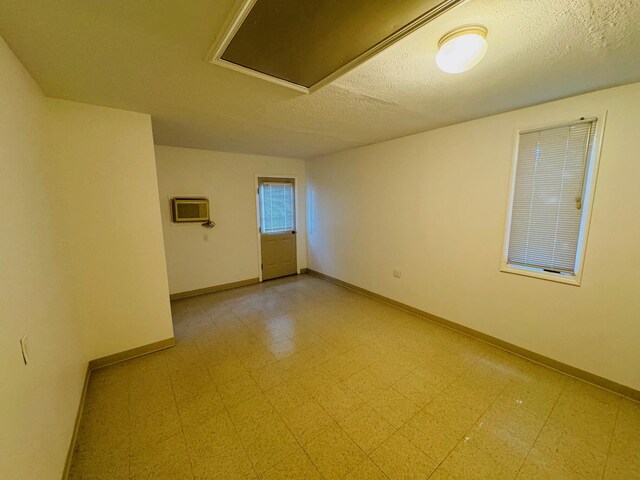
x,y
583,375
215,288
76,425
105,362
129,354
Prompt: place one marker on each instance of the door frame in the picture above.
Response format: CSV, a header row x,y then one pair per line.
x,y
257,205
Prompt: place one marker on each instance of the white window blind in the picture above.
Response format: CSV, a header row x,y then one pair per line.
x,y
548,196
276,207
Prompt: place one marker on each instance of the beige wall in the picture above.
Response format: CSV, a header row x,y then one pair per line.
x,y
82,269
38,402
231,252
104,164
433,205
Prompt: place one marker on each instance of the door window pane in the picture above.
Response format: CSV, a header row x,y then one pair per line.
x,y
276,207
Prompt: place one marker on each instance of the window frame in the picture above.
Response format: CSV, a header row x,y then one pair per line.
x,y
591,175
281,181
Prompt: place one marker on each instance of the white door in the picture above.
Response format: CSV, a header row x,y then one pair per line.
x,y
277,227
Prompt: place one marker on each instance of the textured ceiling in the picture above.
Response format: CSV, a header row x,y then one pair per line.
x,y
150,56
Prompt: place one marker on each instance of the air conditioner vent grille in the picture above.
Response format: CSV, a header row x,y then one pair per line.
x,y
186,210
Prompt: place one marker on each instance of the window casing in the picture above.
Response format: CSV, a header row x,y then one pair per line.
x,y
550,204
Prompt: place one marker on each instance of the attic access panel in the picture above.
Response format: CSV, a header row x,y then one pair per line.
x,y
305,44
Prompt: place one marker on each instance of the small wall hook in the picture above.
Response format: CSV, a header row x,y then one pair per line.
x,y
209,224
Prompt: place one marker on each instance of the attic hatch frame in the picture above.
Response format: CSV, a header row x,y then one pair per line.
x,y
243,8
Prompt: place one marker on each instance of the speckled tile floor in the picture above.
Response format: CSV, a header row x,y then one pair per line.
x,y
300,378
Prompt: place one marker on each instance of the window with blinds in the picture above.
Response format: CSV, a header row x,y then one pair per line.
x,y
276,207
548,195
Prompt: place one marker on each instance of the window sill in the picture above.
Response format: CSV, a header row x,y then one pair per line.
x,y
551,277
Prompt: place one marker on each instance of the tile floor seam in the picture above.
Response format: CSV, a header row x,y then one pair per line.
x,y
325,411
461,374
357,446
463,438
411,442
289,429
292,434
368,403
335,422
392,387
613,431
371,460
184,438
305,454
216,326
441,391
398,430
226,409
244,448
368,455
533,444
438,469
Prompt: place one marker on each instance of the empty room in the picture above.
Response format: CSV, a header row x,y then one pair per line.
x,y
360,240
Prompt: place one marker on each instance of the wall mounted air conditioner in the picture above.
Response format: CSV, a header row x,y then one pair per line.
x,y
190,209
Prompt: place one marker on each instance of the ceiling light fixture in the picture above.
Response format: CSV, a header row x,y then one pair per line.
x,y
461,49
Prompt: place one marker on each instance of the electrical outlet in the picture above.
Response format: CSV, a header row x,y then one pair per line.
x,y
25,350
205,237
397,273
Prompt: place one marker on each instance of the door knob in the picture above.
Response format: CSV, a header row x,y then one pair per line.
x,y
293,231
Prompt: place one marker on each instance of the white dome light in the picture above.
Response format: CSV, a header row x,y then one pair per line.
x,y
462,49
